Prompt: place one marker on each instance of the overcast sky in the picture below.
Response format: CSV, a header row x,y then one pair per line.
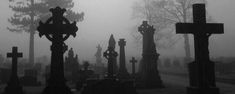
x,y
105,17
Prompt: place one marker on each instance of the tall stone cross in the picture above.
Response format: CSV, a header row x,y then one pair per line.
x,y
201,71
13,86
133,61
57,29
149,75
123,74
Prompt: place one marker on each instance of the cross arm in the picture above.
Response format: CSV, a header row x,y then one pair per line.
x,y
193,28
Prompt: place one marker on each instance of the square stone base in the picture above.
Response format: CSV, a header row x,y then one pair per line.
x,y
196,90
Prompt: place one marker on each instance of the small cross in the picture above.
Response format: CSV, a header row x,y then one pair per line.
x,y
14,55
133,61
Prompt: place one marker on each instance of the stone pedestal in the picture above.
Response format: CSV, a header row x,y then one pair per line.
x,y
122,73
148,71
202,79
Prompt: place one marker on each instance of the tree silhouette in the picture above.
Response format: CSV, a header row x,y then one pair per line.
x,y
27,14
165,13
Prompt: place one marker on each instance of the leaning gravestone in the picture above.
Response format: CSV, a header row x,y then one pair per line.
x,y
13,85
201,71
57,29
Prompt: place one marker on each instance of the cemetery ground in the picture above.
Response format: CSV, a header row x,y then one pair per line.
x,y
173,85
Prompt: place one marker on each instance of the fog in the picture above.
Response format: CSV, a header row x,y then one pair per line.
x,y
106,17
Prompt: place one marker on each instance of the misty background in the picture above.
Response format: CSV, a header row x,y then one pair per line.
x,y
105,17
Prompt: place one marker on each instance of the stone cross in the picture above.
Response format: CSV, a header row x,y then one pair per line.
x,y
150,77
57,29
123,74
201,71
110,54
133,61
14,55
13,86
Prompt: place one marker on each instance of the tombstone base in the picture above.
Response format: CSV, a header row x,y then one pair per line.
x,y
123,75
13,90
57,90
148,76
197,90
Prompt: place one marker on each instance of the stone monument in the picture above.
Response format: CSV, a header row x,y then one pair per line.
x,y
201,71
149,75
57,29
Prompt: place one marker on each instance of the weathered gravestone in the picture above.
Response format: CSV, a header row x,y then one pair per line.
x,y
71,63
71,66
83,76
133,61
57,29
30,78
13,85
111,55
201,71
148,71
99,67
98,56
122,73
109,85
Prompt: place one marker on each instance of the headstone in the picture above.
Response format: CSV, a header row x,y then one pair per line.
x,y
71,61
57,29
149,75
98,55
109,85
111,55
71,66
13,85
201,71
133,61
122,73
99,67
